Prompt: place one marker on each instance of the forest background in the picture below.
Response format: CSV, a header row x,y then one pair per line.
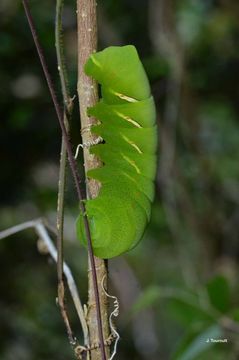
x,y
179,287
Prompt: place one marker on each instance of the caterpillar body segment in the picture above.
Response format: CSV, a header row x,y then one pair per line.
x,y
119,70
126,111
136,114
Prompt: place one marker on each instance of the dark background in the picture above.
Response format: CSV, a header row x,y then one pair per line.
x,y
179,287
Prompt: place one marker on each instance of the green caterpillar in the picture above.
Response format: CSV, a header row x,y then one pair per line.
x,y
120,213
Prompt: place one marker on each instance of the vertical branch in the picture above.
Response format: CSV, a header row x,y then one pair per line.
x,y
68,109
63,167
75,173
88,96
61,57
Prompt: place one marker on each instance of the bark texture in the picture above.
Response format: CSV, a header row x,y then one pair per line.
x,y
88,96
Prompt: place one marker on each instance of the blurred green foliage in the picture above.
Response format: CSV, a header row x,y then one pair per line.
x,y
179,286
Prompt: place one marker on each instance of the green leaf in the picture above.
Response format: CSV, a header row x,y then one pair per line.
x,y
183,305
234,314
219,293
188,312
197,342
149,297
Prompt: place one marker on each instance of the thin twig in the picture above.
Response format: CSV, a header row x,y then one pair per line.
x,y
74,171
63,166
40,228
60,54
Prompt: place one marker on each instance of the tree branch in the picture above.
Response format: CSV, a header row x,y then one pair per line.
x,y
63,165
74,171
40,228
88,96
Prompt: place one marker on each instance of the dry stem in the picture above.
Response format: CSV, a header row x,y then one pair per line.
x,y
87,92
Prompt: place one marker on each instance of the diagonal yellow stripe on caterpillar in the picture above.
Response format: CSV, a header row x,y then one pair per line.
x,y
131,143
127,118
121,96
95,61
131,162
124,97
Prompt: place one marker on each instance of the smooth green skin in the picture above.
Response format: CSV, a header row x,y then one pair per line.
x,y
120,213
143,112
119,69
